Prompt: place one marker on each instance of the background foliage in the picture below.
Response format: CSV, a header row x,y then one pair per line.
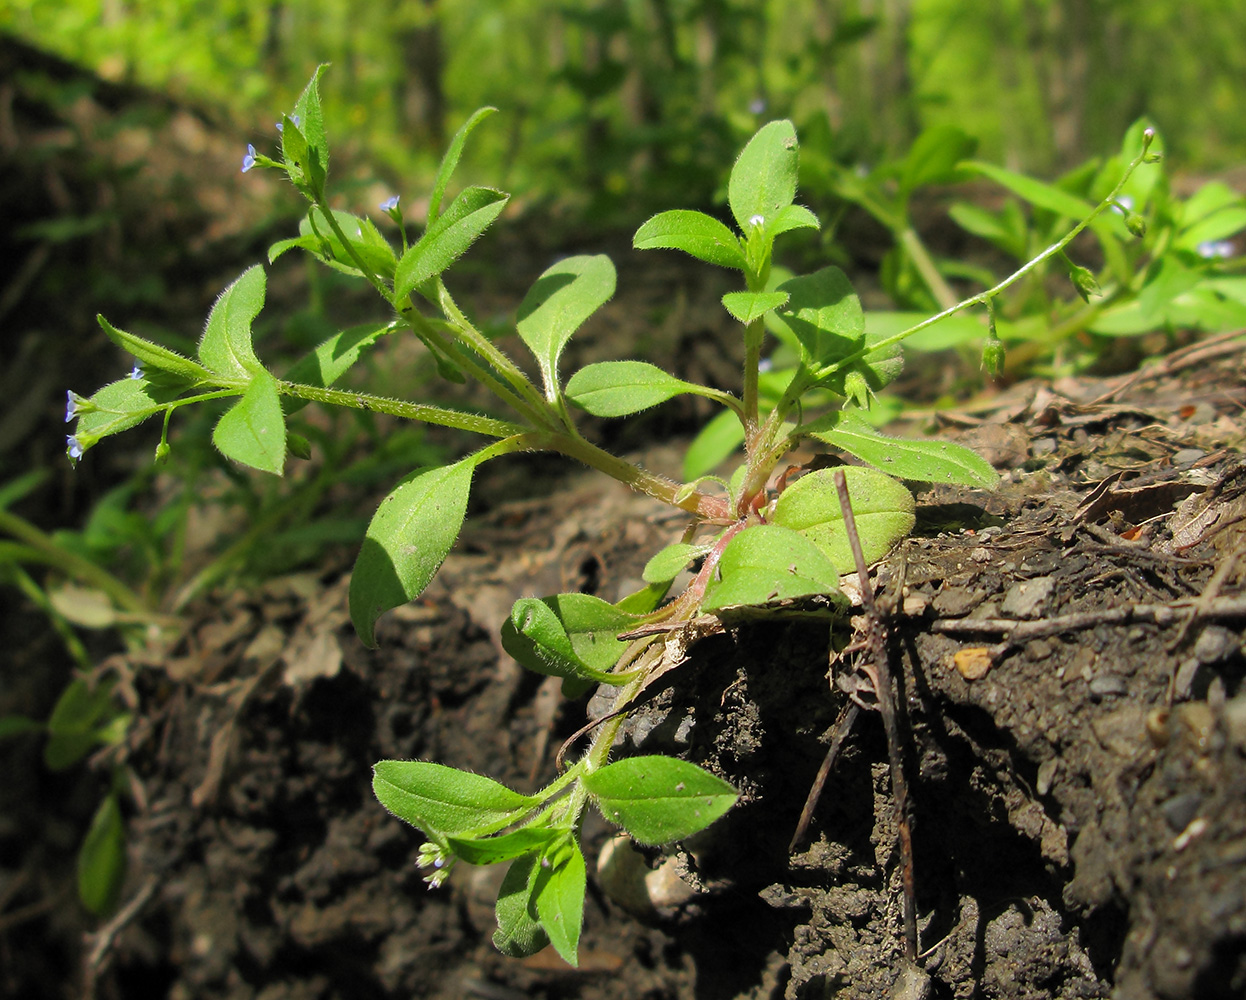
x,y
650,96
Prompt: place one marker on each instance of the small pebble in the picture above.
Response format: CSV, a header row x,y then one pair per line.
x,y
1104,684
1046,775
972,663
1180,809
1215,644
1186,456
1028,598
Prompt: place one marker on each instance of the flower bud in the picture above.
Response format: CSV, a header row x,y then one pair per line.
x,y
1084,281
857,389
1136,224
993,354
162,453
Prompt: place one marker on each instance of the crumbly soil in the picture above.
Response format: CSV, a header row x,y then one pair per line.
x,y
1078,790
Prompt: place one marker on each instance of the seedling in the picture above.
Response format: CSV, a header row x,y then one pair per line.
x,y
751,542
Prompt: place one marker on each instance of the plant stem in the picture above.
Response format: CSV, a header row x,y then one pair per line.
x,y
401,408
925,265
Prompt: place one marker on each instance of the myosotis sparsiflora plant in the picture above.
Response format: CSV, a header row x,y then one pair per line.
x,y
748,544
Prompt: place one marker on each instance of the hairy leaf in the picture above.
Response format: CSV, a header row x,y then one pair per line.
x,y
767,563
443,801
225,347
670,562
119,406
469,215
824,314
695,233
502,846
519,932
333,358
748,306
407,541
763,180
364,239
451,160
882,508
557,304
617,388
792,217
154,355
572,636
924,461
658,800
253,430
559,896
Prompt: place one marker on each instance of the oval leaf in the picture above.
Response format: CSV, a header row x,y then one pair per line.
x,y
559,896
748,306
695,233
659,799
225,347
503,846
407,541
253,430
443,801
882,507
924,461
469,215
101,859
519,932
763,180
617,388
825,315
670,562
568,635
767,563
558,303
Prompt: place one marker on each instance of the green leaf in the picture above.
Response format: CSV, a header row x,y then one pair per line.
x,y
225,347
502,846
1210,199
768,563
407,541
451,160
695,233
721,437
933,158
1006,228
519,932
78,723
658,800
101,859
617,388
572,636
253,430
562,298
16,725
1217,226
1041,195
318,238
825,315
334,357
792,217
559,897
154,355
119,406
447,239
924,461
311,126
882,507
748,306
444,801
670,561
763,180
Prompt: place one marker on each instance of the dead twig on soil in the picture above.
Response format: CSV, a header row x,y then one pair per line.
x,y
1017,632
101,941
885,693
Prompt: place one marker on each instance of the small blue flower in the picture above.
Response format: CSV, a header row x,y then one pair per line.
x,y
757,220
294,118
1216,249
390,204
73,405
136,372
75,449
757,105
248,161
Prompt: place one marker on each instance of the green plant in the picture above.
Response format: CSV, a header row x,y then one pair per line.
x,y
1165,263
750,545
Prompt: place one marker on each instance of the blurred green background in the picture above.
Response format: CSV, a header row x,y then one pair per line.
x,y
645,100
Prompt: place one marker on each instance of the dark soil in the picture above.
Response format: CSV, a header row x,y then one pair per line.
x,y
1078,795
